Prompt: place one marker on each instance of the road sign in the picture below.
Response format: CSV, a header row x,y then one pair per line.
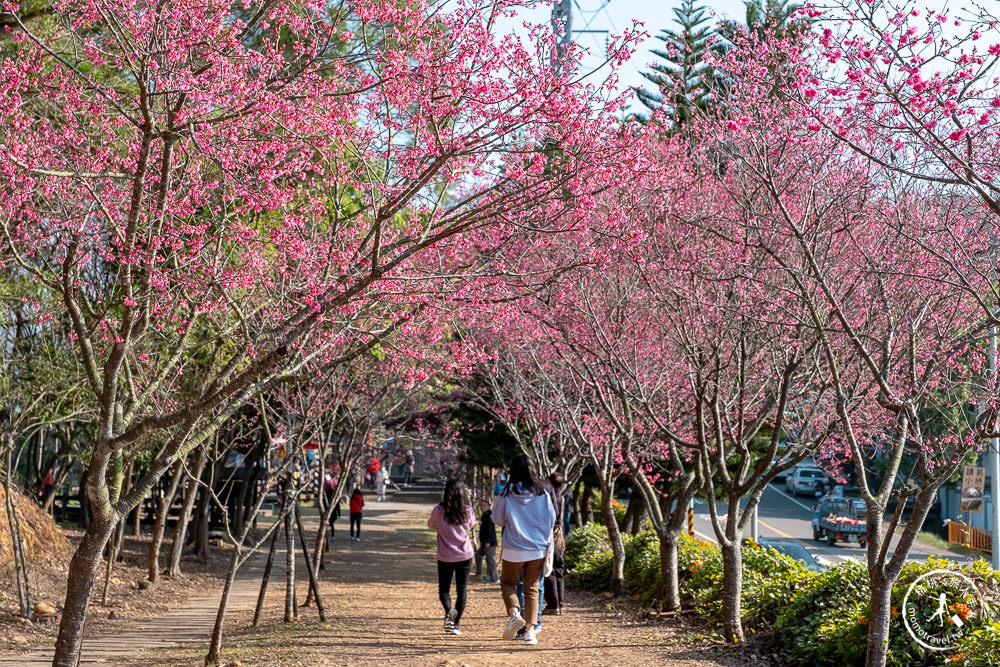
x,y
973,483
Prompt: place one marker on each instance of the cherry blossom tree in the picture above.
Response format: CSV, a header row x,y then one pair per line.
x,y
215,194
874,278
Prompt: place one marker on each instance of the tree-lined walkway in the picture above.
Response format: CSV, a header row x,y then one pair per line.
x,y
381,596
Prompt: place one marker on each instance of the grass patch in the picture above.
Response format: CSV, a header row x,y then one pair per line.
x,y
424,537
932,540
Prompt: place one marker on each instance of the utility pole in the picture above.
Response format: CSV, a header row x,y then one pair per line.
x,y
562,26
562,19
994,465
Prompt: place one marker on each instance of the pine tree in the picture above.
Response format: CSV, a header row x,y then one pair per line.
x,y
682,81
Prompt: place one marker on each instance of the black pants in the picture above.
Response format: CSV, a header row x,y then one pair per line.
x,y
555,587
356,521
461,572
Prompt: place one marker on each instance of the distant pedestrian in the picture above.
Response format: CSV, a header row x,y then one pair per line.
x,y
409,462
487,544
374,465
524,510
554,585
329,487
452,518
381,479
501,481
357,505
334,515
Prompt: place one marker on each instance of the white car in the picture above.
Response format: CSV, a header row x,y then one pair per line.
x,y
805,480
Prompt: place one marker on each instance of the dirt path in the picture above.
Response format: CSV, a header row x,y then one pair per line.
x,y
381,596
182,629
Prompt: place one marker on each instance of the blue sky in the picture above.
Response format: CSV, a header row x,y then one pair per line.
x,y
615,15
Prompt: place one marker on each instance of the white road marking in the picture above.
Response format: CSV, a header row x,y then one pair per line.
x,y
795,500
707,538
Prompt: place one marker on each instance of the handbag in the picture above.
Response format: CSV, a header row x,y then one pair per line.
x,y
549,553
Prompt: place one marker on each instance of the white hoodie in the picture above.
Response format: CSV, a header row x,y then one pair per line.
x,y
527,522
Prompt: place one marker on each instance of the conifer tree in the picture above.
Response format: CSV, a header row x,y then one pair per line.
x,y
681,80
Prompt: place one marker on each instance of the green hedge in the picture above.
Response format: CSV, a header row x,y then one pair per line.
x,y
818,618
586,540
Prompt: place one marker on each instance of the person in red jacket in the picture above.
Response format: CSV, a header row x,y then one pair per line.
x,y
373,467
357,504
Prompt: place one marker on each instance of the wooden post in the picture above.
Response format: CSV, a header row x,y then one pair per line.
x,y
265,577
309,565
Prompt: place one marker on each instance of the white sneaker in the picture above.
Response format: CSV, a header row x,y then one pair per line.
x,y
513,625
530,638
455,630
449,619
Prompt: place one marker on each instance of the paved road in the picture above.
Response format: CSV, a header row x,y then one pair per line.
x,y
785,517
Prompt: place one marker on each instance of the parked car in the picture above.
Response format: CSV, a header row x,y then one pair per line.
x,y
796,551
805,480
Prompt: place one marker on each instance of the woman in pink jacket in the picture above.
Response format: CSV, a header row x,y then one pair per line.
x,y
453,518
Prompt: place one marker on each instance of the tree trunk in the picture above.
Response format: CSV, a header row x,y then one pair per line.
x,y
291,608
243,501
879,613
670,589
635,514
215,646
137,518
585,512
160,527
615,537
113,548
83,573
180,532
203,512
265,577
24,594
732,591
310,566
84,520
629,517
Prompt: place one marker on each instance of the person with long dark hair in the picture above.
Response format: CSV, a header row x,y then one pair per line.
x,y
453,518
524,510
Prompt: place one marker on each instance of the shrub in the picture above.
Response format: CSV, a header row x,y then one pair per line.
x,y
824,621
585,541
770,578
591,566
699,566
979,648
821,618
593,573
642,565
903,650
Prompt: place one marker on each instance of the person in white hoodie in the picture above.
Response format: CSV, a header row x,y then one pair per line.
x,y
525,512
